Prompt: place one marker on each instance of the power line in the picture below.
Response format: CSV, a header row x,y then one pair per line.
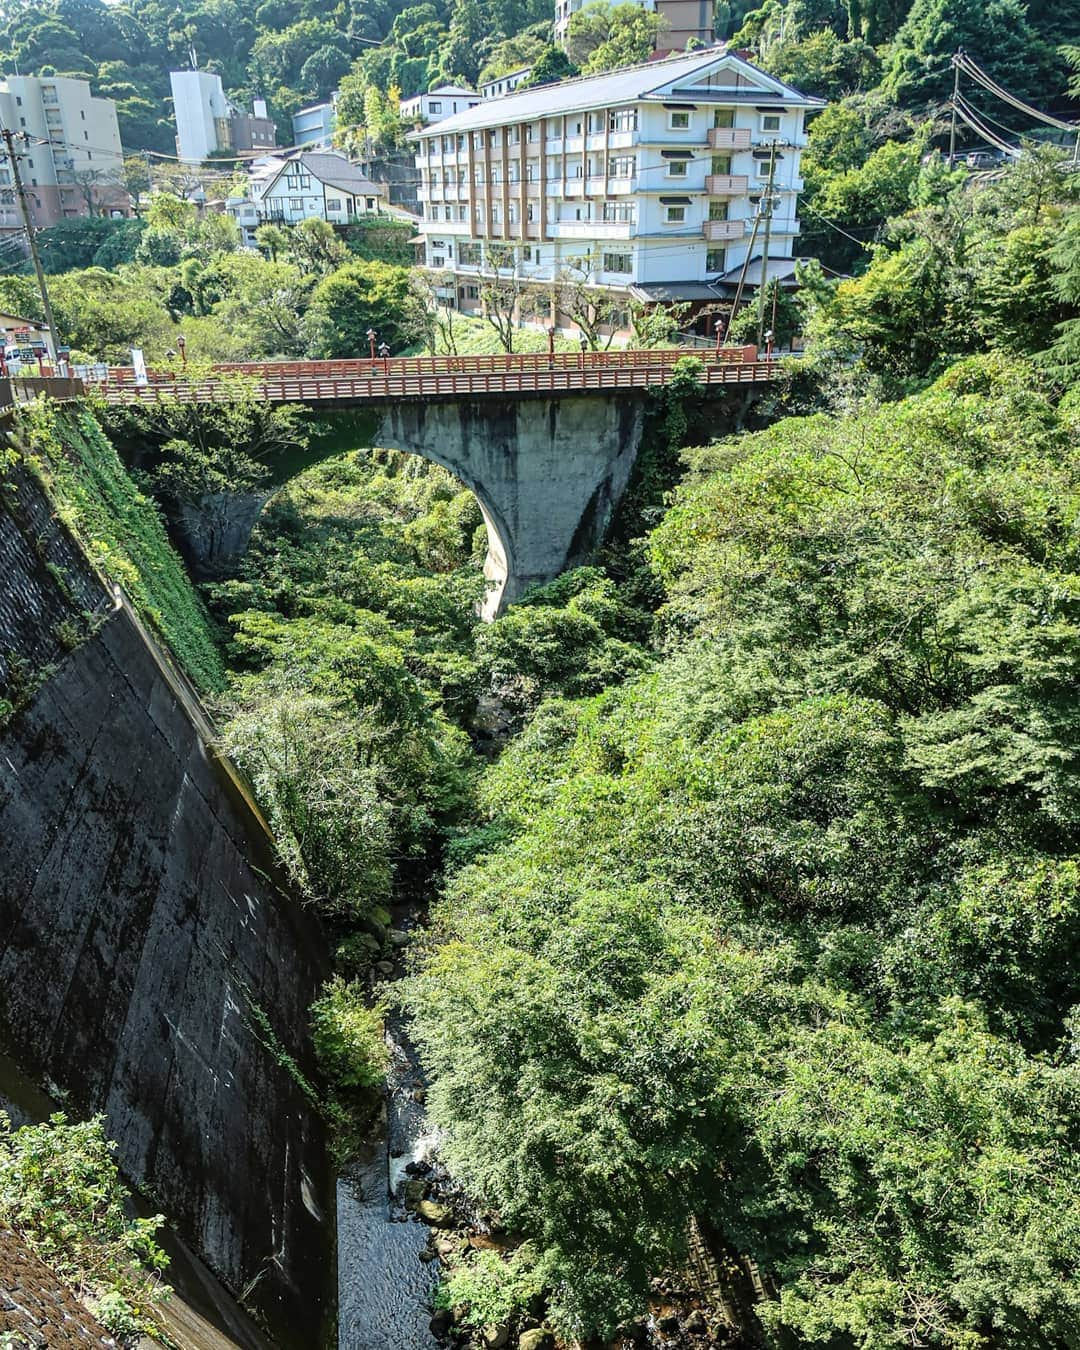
x,y
976,72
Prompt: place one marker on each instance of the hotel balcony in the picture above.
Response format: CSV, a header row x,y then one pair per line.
x,y
719,231
726,184
729,138
591,229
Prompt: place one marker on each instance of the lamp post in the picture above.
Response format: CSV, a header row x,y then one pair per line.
x,y
719,326
768,344
181,342
384,352
584,341
371,336
551,340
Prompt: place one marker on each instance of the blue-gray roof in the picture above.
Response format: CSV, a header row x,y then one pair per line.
x,y
630,85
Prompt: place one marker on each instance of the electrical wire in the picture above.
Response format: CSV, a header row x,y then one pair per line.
x,y
970,117
968,66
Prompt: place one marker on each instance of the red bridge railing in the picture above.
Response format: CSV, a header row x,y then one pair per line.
x,y
432,377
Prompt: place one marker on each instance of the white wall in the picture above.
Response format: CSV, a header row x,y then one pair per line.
x,y
198,99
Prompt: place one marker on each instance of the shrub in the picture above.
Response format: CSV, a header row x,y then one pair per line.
x,y
348,1035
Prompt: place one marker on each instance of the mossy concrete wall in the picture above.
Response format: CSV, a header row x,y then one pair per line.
x,y
150,966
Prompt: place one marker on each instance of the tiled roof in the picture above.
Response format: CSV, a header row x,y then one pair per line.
x,y
618,86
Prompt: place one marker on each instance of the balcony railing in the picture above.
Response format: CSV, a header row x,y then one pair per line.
x,y
726,184
729,138
716,231
591,229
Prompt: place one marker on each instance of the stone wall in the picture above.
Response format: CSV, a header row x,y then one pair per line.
x,y
151,966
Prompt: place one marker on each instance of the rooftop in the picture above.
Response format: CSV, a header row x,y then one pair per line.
x,y
653,80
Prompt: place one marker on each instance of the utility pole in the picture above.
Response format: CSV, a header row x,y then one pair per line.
x,y
31,235
768,202
955,96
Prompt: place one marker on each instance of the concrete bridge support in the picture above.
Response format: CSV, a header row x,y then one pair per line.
x,y
547,472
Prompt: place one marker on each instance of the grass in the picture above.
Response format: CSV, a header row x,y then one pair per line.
x,y
121,531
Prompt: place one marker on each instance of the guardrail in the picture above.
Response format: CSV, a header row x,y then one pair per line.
x,y
377,385
362,367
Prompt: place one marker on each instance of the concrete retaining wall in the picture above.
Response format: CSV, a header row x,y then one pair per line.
x,y
150,967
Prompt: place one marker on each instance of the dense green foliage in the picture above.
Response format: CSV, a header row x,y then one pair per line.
x,y
348,1035
121,531
61,1192
781,934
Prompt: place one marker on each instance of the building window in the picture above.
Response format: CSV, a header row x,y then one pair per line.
x,y
527,254
463,213
721,164
675,215
472,292
530,211
447,144
623,166
763,168
623,120
677,168
714,259
718,210
437,260
619,211
617,262
678,121
723,117
435,106
469,255
770,122
295,204
333,206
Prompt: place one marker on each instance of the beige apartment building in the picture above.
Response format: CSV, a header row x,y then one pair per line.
x,y
70,153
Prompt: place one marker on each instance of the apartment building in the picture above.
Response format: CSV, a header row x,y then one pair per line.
x,y
72,159
646,181
439,103
207,122
683,20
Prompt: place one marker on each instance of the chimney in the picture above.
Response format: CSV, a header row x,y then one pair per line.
x,y
259,107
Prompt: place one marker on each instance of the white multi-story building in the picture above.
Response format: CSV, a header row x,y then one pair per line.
x,y
438,104
646,181
72,162
207,122
316,124
504,84
307,185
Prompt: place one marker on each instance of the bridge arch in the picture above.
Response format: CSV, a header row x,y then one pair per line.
x,y
547,474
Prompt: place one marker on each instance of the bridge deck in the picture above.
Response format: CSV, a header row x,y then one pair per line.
x,y
448,377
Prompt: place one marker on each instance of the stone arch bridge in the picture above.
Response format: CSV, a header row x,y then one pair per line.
x,y
546,442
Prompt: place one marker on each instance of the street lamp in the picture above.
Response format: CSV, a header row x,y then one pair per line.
x,y
768,344
181,342
719,326
584,341
384,352
371,336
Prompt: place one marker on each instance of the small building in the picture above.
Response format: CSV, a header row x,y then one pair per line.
x,y
315,125
207,123
309,184
17,331
444,101
504,84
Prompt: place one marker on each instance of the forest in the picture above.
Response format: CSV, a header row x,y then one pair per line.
x,y
758,920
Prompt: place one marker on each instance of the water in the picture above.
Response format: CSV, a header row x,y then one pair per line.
x,y
384,1289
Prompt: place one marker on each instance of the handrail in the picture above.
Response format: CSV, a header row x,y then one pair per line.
x,y
375,384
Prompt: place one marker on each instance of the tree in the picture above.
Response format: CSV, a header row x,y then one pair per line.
x,y
995,33
359,296
603,36
591,308
135,177
551,66
505,294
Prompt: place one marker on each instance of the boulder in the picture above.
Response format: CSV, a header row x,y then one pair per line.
x,y
438,1216
415,1191
696,1324
495,1338
441,1323
399,937
539,1338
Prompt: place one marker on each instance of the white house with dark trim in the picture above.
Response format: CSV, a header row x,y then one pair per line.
x,y
439,103
646,181
319,184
